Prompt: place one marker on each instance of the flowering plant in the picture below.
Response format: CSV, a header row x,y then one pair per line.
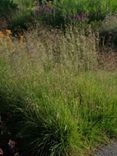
x,y
54,15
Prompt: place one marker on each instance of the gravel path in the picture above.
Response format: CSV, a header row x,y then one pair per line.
x,y
109,150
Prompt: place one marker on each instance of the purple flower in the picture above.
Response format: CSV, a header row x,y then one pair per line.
x,y
45,10
76,17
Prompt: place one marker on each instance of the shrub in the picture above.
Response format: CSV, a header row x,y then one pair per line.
x,y
61,13
6,8
21,21
23,17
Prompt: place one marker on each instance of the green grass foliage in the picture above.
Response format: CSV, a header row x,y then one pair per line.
x,y
59,102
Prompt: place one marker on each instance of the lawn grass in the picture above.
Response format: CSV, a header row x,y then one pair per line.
x,y
60,101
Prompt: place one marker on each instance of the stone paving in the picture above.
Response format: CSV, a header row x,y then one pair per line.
x,y
109,150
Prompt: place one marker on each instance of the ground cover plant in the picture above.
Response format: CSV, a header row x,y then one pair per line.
x,y
58,99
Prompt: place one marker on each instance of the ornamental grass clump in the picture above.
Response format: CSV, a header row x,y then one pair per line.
x,y
48,127
58,100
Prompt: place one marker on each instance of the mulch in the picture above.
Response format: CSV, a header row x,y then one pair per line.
x,y
8,144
